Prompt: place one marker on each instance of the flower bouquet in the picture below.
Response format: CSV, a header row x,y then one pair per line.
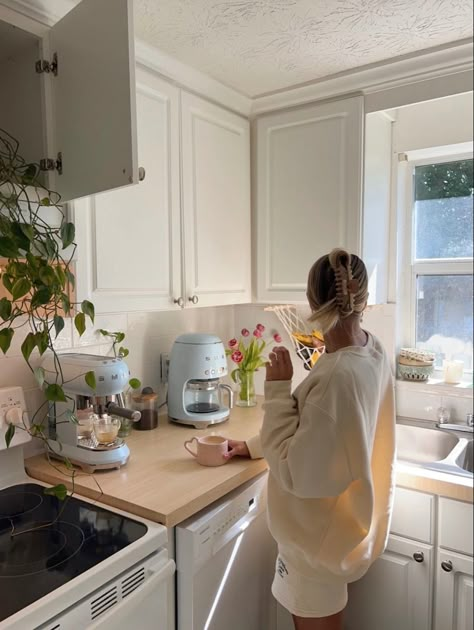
x,y
248,355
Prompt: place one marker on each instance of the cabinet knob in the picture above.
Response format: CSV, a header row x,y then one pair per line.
x,y
447,566
141,173
418,556
179,301
194,299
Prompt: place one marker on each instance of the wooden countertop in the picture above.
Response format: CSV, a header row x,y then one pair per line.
x,y
163,483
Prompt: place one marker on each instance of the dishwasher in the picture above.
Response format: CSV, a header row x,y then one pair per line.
x,y
225,561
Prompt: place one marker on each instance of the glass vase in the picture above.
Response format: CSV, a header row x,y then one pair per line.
x,y
246,395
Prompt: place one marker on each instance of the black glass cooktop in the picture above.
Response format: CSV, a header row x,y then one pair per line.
x,y
45,542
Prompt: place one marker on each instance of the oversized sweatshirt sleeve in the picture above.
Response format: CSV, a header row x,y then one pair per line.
x,y
254,444
303,449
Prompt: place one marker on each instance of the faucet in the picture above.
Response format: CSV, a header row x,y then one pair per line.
x,y
470,420
444,417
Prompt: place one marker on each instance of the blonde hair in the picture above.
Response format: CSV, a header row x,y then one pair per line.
x,y
337,288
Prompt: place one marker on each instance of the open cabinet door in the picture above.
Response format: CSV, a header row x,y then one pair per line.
x,y
94,108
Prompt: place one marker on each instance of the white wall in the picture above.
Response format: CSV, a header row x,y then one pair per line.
x,y
437,123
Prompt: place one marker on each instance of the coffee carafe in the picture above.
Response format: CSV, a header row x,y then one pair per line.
x,y
195,391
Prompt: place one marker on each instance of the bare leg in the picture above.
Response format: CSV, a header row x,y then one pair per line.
x,y
334,622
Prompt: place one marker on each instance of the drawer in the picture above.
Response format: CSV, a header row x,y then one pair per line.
x,y
413,514
455,525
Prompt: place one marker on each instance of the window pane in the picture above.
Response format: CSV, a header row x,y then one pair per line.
x,y
443,210
444,317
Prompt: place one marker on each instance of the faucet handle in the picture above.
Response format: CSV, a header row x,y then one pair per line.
x,y
470,420
443,415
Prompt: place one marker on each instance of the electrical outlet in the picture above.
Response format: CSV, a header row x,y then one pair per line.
x,y
165,361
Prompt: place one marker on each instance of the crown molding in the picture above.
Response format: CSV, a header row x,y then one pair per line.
x,y
189,78
46,12
435,64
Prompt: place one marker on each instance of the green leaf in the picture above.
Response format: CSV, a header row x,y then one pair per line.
x,y
80,323
40,297
59,491
28,231
6,336
70,277
47,275
55,393
5,308
90,379
50,246
88,309
29,174
104,333
123,352
58,324
8,248
68,233
42,341
61,276
119,336
7,282
135,383
28,345
46,201
9,434
20,288
32,260
66,303
39,375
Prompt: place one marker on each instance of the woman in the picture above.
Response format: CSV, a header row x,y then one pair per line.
x,y
330,447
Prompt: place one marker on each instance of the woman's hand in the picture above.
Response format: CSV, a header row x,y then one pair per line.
x,y
280,367
237,449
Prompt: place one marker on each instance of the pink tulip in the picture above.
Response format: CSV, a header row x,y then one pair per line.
x,y
257,333
261,328
245,332
277,337
233,343
237,356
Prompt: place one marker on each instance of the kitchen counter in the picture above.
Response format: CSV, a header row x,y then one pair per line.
x,y
161,481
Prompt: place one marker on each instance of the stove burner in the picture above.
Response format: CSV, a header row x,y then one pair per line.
x,y
15,504
40,549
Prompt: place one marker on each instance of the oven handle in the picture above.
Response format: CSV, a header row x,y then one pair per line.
x,y
159,575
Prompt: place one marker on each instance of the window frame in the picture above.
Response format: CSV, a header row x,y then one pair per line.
x,y
412,267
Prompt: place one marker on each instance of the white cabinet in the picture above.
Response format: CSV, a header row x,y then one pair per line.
x,y
216,203
308,192
454,591
396,591
71,95
182,236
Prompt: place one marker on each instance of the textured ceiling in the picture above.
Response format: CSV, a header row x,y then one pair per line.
x,y
259,46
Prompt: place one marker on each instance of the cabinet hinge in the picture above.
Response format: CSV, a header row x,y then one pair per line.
x,y
402,157
47,66
48,164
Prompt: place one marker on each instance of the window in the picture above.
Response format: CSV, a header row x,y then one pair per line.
x,y
441,273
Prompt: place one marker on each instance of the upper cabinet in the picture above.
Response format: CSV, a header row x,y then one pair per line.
x,y
71,97
308,192
216,204
182,236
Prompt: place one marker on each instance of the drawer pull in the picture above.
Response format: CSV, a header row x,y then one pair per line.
x,y
447,566
194,299
179,301
418,556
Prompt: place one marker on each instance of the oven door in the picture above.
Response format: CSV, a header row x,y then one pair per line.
x,y
150,607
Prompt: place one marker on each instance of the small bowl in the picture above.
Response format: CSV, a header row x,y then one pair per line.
x,y
415,372
106,429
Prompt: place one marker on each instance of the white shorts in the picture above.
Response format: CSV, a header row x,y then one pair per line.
x,y
305,595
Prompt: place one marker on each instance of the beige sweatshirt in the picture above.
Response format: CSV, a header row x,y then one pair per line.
x,y
330,448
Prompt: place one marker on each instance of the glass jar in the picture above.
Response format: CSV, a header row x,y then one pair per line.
x,y
125,427
147,404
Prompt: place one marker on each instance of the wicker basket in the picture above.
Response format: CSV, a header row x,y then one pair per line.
x,y
294,325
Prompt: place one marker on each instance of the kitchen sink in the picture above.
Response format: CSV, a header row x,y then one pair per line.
x,y
420,445
434,449
464,459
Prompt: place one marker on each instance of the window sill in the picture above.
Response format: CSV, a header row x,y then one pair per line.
x,y
437,386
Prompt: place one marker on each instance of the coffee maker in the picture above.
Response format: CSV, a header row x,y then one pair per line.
x,y
112,376
197,364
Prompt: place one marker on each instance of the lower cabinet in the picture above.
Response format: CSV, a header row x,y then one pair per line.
x,y
424,579
396,592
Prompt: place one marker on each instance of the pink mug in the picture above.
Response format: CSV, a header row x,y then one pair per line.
x,y
210,450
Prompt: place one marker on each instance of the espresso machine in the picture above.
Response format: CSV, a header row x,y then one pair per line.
x,y
112,376
197,364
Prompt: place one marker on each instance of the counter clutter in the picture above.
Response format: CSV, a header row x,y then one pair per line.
x,y
163,483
